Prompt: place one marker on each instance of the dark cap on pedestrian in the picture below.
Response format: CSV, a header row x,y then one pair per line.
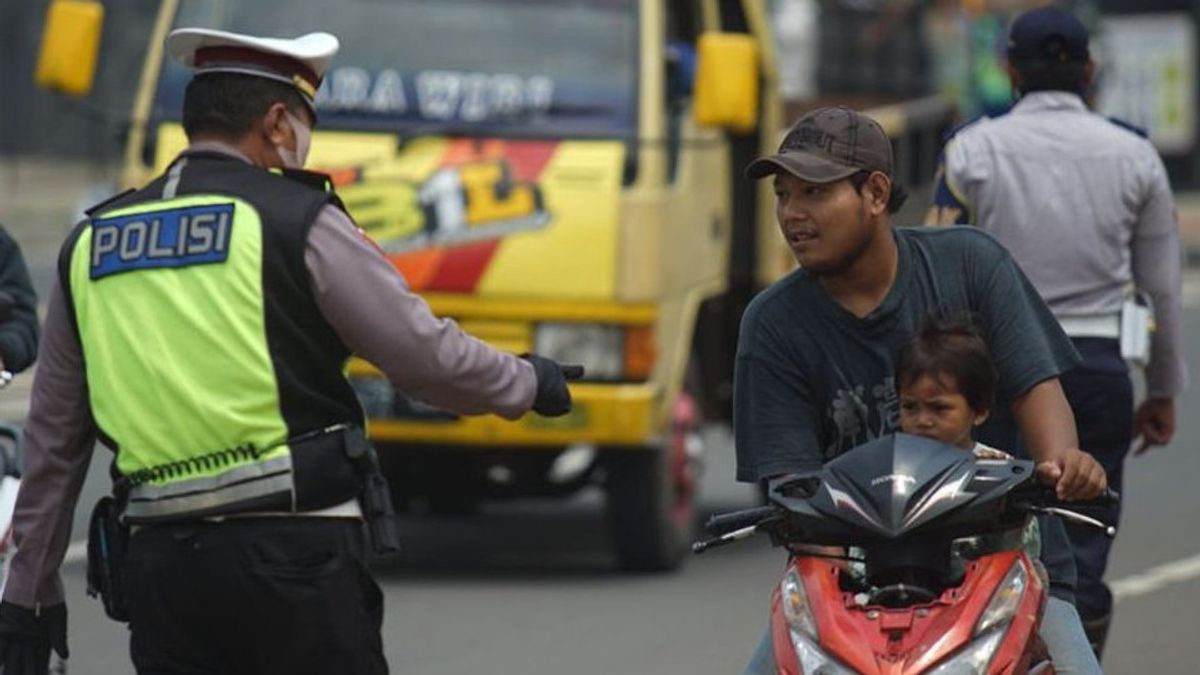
x,y
828,144
1048,34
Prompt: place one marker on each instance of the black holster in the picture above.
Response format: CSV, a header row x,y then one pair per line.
x,y
108,540
375,497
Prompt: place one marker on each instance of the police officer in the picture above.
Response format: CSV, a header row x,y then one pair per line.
x,y
1084,205
198,328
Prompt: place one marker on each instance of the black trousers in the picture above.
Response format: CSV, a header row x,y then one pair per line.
x,y
1101,396
253,596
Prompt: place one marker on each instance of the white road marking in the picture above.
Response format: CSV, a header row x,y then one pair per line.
x,y
1156,578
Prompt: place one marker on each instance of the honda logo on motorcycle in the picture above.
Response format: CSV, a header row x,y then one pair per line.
x,y
899,478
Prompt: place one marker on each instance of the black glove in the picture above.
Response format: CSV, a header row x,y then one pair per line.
x,y
26,638
553,398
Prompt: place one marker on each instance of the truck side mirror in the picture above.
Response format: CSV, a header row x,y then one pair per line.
x,y
70,44
727,75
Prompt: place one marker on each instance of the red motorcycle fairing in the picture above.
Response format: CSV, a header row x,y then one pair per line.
x,y
875,640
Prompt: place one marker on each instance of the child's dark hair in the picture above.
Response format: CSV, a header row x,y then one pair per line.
x,y
954,348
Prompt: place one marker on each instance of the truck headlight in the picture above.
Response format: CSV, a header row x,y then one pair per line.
x,y
1003,605
974,658
598,347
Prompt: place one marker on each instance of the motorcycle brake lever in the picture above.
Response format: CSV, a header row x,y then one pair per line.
x,y
1072,516
727,538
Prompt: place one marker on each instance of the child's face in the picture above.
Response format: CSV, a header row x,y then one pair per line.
x,y
934,408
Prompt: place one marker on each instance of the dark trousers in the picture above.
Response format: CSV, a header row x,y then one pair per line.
x,y
253,596
1101,396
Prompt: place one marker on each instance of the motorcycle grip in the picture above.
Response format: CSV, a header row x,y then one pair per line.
x,y
571,371
1110,498
724,523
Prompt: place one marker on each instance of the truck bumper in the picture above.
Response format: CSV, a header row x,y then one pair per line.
x,y
602,414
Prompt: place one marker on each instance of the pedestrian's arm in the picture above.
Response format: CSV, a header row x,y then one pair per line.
x,y
19,329
59,435
368,303
1156,261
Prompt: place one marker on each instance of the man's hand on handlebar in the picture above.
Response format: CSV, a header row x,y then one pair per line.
x,y
1075,475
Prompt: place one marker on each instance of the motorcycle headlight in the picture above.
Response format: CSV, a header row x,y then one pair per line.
x,y
794,600
1003,605
812,660
597,346
974,658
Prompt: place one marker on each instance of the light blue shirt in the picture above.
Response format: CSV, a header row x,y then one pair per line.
x,y
1085,208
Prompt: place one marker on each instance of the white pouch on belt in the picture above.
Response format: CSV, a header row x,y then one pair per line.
x,y
1137,323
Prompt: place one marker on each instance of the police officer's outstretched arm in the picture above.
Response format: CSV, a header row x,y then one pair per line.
x,y
59,436
370,306
18,325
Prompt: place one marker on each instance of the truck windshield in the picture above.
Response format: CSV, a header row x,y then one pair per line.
x,y
543,68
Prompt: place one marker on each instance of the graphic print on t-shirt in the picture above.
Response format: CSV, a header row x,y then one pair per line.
x,y
858,418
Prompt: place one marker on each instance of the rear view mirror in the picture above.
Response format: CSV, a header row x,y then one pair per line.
x,y
70,44
727,75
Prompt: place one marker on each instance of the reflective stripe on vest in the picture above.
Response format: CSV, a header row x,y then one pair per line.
x,y
154,286
213,494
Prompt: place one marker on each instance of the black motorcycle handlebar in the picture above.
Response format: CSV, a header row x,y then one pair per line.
x,y
725,523
1047,497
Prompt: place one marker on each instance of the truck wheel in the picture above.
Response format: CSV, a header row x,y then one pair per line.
x,y
651,501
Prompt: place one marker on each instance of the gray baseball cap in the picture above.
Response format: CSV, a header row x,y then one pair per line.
x,y
828,144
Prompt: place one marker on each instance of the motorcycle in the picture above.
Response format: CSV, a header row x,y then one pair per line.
x,y
929,575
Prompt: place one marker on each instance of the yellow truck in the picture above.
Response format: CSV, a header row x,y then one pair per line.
x,y
559,176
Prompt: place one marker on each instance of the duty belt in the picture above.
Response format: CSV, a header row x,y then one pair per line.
x,y
267,481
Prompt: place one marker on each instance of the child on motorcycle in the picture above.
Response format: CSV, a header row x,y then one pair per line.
x,y
945,380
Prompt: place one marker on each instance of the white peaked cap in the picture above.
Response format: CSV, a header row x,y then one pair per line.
x,y
301,61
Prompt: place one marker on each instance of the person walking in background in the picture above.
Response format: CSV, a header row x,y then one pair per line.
x,y
1084,205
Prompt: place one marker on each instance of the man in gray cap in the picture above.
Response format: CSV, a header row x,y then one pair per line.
x,y
814,373
1085,206
199,328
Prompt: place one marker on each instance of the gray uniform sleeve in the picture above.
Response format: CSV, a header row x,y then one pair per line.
x,y
370,306
1156,271
59,437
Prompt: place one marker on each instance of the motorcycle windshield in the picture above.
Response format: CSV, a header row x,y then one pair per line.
x,y
899,483
530,68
